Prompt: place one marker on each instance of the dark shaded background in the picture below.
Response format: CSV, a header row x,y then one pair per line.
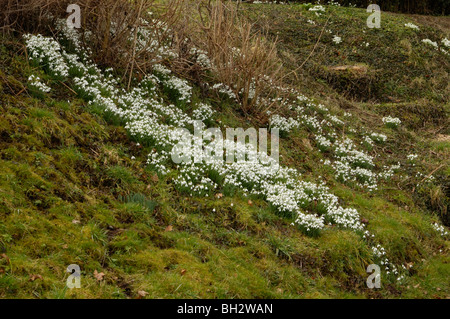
x,y
435,7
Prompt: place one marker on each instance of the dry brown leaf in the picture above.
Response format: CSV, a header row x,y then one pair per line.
x,y
219,195
183,271
250,202
75,221
6,257
169,228
142,294
34,277
154,178
98,276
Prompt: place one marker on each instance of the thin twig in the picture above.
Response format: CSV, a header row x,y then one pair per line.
x,y
134,43
311,53
440,166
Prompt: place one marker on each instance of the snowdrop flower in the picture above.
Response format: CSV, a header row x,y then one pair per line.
x,y
391,121
379,138
337,39
412,26
317,8
428,41
440,229
446,42
36,83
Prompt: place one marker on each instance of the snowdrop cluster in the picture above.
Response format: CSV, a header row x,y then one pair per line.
x,y
353,165
440,229
285,125
323,143
446,42
432,43
380,253
388,171
157,124
334,3
35,82
367,140
181,86
201,57
203,112
270,2
335,120
337,39
46,51
392,122
150,120
412,26
412,157
157,160
225,90
317,9
377,137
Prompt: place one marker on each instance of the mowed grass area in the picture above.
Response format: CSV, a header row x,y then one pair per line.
x,y
70,192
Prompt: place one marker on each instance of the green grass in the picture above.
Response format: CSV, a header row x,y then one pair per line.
x,y
70,194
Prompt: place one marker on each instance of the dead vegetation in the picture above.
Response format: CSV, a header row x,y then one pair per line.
x,y
130,35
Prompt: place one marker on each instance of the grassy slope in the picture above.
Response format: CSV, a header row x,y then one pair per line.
x,y
65,170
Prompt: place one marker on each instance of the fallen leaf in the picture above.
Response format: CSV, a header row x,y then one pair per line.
x,y
34,277
183,271
142,294
169,228
250,202
65,246
75,221
6,257
154,178
98,276
219,195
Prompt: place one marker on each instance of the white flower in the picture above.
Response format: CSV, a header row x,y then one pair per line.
x,y
203,112
391,121
35,82
428,41
317,8
440,229
377,137
412,26
446,42
337,39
